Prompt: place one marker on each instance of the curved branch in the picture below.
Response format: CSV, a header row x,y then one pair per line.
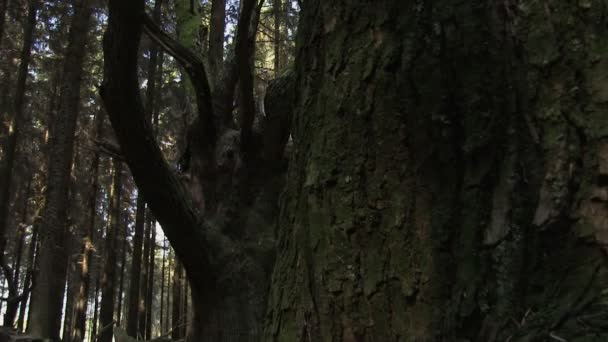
x,y
172,205
194,68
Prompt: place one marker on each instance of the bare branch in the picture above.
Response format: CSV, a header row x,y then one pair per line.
x,y
195,69
170,202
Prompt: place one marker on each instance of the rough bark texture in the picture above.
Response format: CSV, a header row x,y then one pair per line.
x,y
47,297
448,180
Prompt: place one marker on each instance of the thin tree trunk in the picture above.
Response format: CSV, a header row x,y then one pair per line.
x,y
95,323
47,297
28,277
17,122
176,317
162,290
88,243
136,266
12,305
3,10
168,306
216,38
150,287
108,282
277,14
121,282
144,277
68,310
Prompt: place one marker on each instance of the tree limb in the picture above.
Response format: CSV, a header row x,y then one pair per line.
x,y
171,203
195,69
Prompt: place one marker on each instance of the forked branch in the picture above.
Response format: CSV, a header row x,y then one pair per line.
x,y
195,69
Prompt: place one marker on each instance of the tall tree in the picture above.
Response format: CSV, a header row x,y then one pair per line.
x,y
47,297
108,280
16,123
176,317
135,273
88,242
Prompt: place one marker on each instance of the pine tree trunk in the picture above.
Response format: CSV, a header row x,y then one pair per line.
x,y
108,281
28,277
47,296
176,317
3,10
12,305
88,242
162,291
136,263
168,305
150,286
144,277
277,14
121,282
17,122
95,320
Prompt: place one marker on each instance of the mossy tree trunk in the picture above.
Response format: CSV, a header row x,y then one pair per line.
x,y
449,175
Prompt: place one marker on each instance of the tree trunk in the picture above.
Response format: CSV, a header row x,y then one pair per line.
x,y
449,174
123,260
72,288
12,304
176,317
95,320
108,281
277,14
88,242
168,305
150,274
144,278
27,282
136,262
217,26
162,291
47,297
3,10
17,122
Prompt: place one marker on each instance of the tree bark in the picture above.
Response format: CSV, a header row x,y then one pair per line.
x,y
108,280
47,297
446,175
